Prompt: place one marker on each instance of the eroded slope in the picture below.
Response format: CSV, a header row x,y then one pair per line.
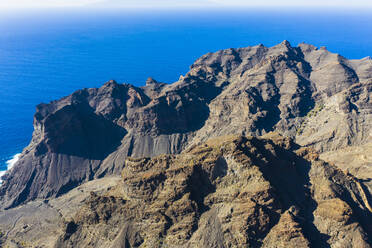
x,y
319,98
228,192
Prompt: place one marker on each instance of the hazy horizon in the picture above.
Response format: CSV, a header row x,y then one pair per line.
x,y
27,4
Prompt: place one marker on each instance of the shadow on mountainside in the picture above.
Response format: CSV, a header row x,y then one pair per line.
x,y
77,131
290,176
186,110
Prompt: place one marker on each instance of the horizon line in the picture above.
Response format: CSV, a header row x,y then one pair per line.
x,y
179,4
192,7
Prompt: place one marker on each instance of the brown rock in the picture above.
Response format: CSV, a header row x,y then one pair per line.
x,y
229,192
321,99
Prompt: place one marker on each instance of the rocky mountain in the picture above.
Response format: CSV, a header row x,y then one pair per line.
x,y
320,99
231,191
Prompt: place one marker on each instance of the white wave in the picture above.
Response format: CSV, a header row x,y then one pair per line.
x,y
1,174
10,163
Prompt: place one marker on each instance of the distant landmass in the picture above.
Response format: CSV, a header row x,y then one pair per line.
x,y
245,131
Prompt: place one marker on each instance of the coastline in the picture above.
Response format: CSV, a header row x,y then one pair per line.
x,y
10,163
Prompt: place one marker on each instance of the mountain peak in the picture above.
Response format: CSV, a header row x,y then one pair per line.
x,y
308,96
201,160
286,43
151,81
111,82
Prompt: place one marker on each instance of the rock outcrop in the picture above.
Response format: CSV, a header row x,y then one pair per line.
x,y
228,192
320,99
231,191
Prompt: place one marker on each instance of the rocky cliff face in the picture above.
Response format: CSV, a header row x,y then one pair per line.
x,y
231,191
320,99
228,192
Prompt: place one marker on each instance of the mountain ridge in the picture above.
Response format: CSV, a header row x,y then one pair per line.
x,y
230,191
244,91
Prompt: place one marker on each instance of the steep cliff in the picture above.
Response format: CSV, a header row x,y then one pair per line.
x,y
231,191
320,99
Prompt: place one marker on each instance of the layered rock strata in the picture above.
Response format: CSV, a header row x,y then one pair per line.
x,y
320,99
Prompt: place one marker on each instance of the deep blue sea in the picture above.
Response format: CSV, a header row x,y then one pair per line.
x,y
45,55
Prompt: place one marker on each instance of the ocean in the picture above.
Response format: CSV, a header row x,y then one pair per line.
x,y
45,55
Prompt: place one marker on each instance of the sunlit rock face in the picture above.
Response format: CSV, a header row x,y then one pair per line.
x,y
320,99
229,192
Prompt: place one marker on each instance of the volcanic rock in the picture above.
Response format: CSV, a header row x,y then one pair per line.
x,y
320,99
228,192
